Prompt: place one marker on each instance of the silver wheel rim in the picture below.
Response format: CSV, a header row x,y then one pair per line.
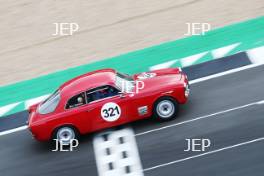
x,y
165,109
65,135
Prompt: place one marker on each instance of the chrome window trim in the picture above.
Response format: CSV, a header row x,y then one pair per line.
x,y
86,103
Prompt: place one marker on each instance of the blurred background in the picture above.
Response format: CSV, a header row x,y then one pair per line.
x,y
106,28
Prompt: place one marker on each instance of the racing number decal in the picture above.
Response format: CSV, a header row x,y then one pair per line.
x,y
110,112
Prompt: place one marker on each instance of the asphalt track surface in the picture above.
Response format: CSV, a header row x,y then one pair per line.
x,y
22,156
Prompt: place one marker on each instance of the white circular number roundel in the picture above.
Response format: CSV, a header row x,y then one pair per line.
x,y
110,112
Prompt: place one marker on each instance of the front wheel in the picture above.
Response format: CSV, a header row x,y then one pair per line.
x,y
165,108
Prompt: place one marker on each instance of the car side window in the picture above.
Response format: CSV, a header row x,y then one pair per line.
x,y
100,93
76,101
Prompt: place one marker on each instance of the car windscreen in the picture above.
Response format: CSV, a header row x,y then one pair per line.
x,y
50,104
124,82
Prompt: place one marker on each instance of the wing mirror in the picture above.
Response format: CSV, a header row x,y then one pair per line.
x,y
122,94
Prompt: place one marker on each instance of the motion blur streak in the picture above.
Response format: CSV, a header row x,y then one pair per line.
x,y
206,153
225,73
203,117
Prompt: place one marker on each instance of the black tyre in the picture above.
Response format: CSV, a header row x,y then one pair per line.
x,y
165,108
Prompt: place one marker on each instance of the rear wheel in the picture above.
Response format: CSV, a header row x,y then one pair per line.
x,y
65,134
165,108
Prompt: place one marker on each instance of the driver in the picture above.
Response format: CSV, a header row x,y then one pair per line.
x,y
80,100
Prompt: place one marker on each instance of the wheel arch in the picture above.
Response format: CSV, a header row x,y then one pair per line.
x,y
164,96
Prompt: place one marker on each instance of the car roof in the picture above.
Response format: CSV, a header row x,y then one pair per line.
x,y
88,81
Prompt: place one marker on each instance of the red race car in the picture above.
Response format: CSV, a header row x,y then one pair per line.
x,y
106,98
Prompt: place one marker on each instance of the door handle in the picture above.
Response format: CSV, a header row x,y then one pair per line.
x,y
88,110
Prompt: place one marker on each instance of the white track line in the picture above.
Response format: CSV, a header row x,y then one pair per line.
x,y
225,73
202,117
203,154
191,82
256,55
13,130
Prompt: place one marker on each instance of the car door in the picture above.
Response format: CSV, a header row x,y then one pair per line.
x,y
107,107
76,112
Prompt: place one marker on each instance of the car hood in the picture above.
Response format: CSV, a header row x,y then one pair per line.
x,y
158,78
157,73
